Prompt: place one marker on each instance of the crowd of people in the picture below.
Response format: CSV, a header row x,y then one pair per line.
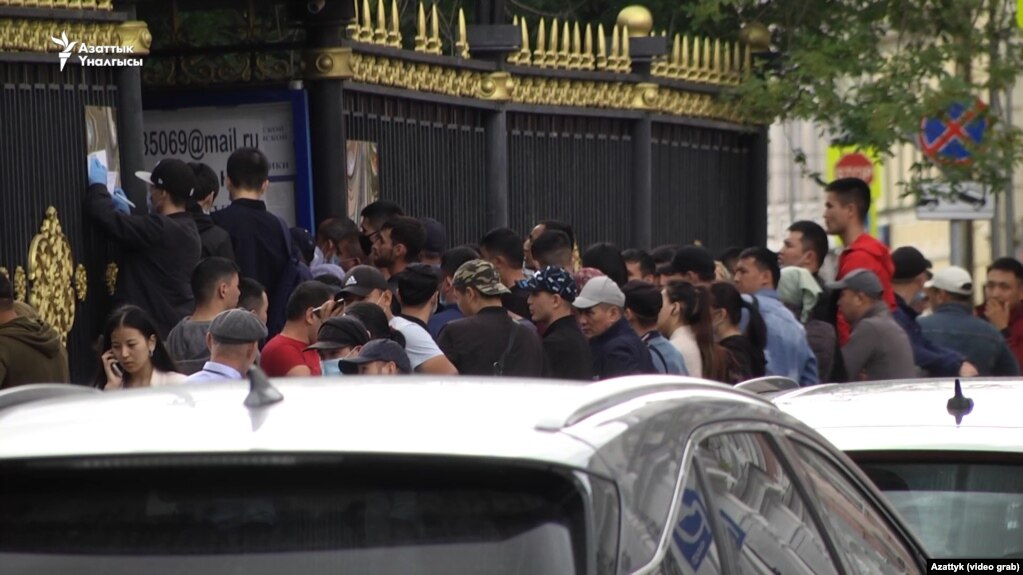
x,y
205,296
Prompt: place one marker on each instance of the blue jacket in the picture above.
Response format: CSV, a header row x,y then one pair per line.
x,y
619,351
954,325
443,317
936,360
666,357
788,352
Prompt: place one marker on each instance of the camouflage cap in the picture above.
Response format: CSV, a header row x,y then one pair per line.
x,y
479,274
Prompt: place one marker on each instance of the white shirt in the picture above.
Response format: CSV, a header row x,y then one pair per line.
x,y
685,342
213,371
419,346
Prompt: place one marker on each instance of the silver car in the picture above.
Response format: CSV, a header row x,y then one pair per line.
x,y
950,460
649,474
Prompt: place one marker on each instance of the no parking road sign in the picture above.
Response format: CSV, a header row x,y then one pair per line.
x,y
951,137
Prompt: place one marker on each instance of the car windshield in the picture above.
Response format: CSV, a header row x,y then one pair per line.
x,y
957,507
289,516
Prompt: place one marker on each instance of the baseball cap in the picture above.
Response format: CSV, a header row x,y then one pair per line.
x,y
377,350
362,280
555,280
693,259
479,274
643,298
344,331
174,176
909,263
436,236
237,326
600,290
953,280
860,280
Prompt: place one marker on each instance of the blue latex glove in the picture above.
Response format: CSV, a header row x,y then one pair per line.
x,y
97,172
121,201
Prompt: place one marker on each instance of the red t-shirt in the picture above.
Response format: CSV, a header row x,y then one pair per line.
x,y
868,253
281,354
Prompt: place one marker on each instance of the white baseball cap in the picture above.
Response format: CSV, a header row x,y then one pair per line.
x,y
600,290
953,280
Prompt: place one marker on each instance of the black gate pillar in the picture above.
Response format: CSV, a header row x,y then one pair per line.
x,y
129,126
497,169
327,65
757,225
642,183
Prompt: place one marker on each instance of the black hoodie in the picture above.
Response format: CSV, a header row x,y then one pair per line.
x,y
31,352
215,241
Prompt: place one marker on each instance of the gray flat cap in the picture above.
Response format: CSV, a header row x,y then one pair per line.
x,y
860,280
237,326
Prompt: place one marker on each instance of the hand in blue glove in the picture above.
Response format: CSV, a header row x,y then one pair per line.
x,y
121,201
97,171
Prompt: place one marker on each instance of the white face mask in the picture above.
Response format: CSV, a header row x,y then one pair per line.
x,y
330,367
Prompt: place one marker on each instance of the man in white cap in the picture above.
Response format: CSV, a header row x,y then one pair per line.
x,y
233,340
953,324
616,348
158,250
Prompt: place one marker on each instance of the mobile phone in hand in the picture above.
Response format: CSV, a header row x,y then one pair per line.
x,y
117,369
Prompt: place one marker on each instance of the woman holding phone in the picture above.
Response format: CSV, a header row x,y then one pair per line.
x,y
132,353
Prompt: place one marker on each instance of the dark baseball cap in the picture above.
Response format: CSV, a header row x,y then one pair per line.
x,y
377,350
555,280
643,298
860,280
362,280
694,259
909,263
172,175
436,236
338,332
236,326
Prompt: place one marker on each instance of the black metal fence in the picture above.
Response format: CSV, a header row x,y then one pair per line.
x,y
43,156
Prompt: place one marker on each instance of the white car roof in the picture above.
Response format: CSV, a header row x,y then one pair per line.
x,y
506,418
912,414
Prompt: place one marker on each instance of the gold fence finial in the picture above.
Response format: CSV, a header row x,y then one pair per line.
x,y
380,33
575,58
737,63
366,34
707,59
525,55
676,56
394,34
421,29
564,55
626,58
353,28
552,46
718,64
614,58
601,59
434,44
513,58
462,45
540,54
587,61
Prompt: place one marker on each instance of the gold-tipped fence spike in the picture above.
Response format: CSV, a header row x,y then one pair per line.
x,y
366,34
526,56
421,29
626,57
614,58
587,61
706,54
676,56
737,62
380,32
540,54
394,34
601,60
564,54
462,46
434,44
552,46
353,28
718,63
575,57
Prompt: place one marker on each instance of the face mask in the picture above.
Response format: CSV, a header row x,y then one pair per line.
x,y
153,208
335,260
330,367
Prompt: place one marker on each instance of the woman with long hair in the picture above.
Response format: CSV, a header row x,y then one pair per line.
x,y
685,320
132,353
745,350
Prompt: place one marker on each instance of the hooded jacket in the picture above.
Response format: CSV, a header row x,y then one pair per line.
x,y
31,352
215,241
868,253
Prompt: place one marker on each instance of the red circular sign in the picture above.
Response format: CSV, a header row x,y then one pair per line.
x,y
855,165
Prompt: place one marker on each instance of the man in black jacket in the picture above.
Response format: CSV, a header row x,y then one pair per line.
x,y
215,241
159,250
566,353
260,239
616,348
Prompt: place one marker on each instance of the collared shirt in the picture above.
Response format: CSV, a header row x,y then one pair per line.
x,y
213,371
788,352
